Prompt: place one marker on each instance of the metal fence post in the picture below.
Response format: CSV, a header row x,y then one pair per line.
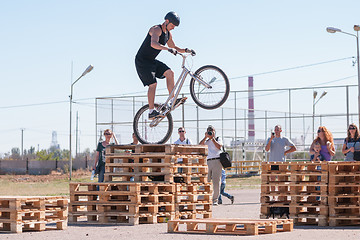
x,y
347,106
290,111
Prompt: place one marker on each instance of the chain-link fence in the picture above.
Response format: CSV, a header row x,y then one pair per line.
x,y
297,110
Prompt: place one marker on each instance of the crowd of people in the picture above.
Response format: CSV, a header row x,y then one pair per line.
x,y
278,146
321,149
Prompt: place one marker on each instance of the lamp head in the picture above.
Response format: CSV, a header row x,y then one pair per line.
x,y
315,94
332,30
87,70
323,94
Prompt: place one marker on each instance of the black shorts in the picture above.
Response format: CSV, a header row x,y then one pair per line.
x,y
149,70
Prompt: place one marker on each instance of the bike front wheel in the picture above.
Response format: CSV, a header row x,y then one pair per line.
x,y
147,134
214,97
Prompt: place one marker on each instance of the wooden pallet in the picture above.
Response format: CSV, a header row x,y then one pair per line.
x,y
18,214
193,215
230,226
172,149
344,221
308,219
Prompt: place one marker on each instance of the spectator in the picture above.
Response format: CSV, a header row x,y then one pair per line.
x,y
327,143
213,160
277,144
317,156
351,143
100,153
182,140
222,188
135,140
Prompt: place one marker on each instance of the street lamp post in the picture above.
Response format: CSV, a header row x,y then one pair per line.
x,y
314,103
87,70
356,29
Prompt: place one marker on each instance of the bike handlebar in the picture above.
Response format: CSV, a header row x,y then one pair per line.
x,y
190,51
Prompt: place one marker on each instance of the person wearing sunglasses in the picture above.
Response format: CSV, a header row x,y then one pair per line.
x,y
100,154
182,140
326,141
351,142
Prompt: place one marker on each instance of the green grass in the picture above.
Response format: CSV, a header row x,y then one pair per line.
x,y
243,182
12,185
57,187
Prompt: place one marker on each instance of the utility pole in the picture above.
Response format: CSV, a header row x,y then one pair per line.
x,y
77,129
22,141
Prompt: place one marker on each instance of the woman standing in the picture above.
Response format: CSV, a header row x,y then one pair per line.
x,y
100,153
326,141
351,143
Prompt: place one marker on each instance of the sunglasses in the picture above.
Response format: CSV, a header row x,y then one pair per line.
x,y
107,133
319,131
352,128
181,131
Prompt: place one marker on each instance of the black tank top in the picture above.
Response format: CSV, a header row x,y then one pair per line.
x,y
146,52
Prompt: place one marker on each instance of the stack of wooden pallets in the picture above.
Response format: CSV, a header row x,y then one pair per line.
x,y
298,187
128,203
142,186
141,162
36,213
344,193
193,200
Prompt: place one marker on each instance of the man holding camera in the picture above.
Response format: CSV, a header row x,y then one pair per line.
x,y
213,160
277,144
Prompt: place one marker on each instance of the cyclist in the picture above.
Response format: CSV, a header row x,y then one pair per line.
x,y
148,68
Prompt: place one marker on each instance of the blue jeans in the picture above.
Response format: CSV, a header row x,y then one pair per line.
x,y
222,192
101,173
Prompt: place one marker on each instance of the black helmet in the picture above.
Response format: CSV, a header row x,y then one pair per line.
x,y
173,18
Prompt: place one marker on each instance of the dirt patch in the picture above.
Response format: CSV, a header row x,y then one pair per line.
x,y
53,176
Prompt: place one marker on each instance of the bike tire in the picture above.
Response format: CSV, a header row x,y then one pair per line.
x,y
151,135
217,95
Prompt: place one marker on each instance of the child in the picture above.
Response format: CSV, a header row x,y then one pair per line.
x,y
222,188
317,156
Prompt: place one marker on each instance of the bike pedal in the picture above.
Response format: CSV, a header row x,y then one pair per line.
x,y
181,101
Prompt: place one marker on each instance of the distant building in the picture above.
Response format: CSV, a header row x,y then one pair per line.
x,y
54,142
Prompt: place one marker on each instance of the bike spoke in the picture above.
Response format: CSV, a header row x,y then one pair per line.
x,y
159,133
213,97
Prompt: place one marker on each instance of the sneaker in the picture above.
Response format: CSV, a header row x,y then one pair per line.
x,y
232,199
153,114
219,202
215,204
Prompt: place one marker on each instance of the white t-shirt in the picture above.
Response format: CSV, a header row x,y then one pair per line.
x,y
186,141
213,151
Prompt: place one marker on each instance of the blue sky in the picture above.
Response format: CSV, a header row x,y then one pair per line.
x,y
40,40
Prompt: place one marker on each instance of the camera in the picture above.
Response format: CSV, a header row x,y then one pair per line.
x,y
273,133
209,133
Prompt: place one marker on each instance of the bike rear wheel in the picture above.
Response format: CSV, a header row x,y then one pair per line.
x,y
214,97
152,135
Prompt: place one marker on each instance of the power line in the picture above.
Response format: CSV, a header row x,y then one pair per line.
x,y
292,68
256,74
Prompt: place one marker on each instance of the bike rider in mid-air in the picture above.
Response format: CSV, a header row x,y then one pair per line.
x,y
149,68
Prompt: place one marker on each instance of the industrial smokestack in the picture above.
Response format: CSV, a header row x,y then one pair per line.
x,y
251,114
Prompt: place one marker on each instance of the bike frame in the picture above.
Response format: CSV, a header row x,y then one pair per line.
x,y
176,90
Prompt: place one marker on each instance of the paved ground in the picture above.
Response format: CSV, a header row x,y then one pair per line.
x,y
246,206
